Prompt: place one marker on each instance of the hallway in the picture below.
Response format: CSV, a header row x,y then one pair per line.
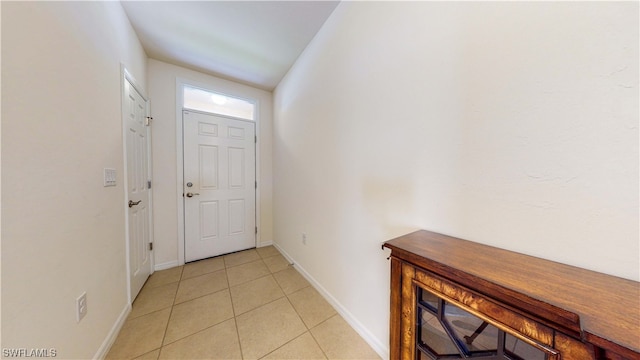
x,y
247,305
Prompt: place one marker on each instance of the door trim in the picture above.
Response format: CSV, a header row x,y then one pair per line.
x,y
180,82
127,77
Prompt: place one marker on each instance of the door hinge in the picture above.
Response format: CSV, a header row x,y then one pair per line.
x,y
150,246
147,121
255,139
256,230
256,184
148,184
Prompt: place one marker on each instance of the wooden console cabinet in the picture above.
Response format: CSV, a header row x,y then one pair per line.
x,y
455,299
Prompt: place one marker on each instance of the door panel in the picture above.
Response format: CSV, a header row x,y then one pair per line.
x,y
236,168
236,216
137,147
209,219
208,167
219,163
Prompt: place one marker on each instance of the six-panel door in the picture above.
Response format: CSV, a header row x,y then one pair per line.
x,y
219,185
138,192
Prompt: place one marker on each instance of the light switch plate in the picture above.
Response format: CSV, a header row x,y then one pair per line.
x,y
109,177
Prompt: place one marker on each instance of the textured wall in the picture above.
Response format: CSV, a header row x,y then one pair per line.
x,y
510,124
63,233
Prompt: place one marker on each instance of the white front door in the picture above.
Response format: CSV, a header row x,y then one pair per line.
x,y
138,192
219,185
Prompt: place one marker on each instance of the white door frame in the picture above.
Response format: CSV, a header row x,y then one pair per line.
x,y
180,83
126,76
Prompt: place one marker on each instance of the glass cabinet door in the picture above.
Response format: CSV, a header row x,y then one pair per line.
x,y
446,331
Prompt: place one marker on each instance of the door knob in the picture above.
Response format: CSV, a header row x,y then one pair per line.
x,y
191,194
132,204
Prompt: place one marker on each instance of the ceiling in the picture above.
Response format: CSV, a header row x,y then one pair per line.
x,y
251,42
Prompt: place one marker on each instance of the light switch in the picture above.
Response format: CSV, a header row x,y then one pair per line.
x,y
109,177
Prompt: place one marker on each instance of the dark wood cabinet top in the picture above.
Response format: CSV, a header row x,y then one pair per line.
x,y
599,308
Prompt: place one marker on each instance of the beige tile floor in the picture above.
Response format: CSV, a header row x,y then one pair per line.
x,y
248,305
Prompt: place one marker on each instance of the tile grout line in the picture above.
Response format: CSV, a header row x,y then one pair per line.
x,y
265,265
235,321
262,277
271,273
208,327
203,274
164,335
317,343
294,309
292,340
235,314
299,316
305,324
150,312
235,317
194,263
228,288
158,310
233,308
207,274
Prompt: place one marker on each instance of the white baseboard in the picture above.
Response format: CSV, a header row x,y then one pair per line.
x,y
113,334
165,266
264,244
378,346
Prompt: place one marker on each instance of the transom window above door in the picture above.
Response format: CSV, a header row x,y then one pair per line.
x,y
216,103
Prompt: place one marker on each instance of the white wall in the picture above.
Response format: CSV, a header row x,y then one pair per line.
x,y
63,232
162,93
510,124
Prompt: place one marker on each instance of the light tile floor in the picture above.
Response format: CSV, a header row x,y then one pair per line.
x,y
247,305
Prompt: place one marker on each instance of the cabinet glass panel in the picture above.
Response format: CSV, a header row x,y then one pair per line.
x,y
521,350
433,336
445,331
429,300
474,333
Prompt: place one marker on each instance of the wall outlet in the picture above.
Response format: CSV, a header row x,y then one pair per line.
x,y
304,238
81,306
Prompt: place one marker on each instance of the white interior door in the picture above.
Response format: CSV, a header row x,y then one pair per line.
x,y
219,185
137,153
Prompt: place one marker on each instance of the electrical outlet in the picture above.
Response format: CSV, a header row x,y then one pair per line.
x,y
304,238
81,306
